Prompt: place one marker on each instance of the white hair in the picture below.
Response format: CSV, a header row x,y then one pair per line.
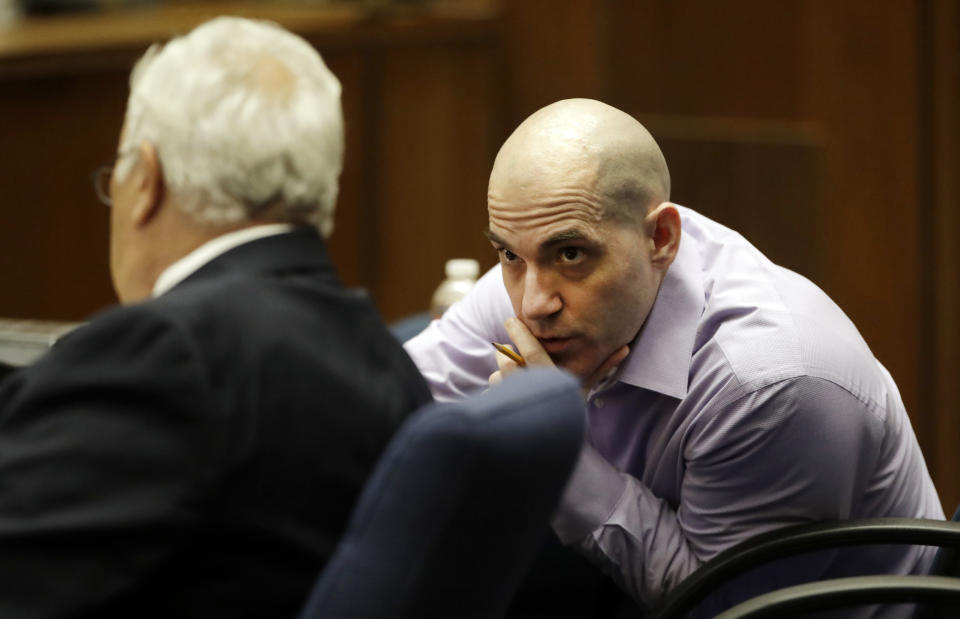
x,y
245,117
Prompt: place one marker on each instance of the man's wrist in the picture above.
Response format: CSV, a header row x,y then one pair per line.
x,y
591,496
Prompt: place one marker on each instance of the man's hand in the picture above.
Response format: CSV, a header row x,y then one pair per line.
x,y
534,354
528,347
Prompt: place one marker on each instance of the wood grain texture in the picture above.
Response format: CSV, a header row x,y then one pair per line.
x,y
939,181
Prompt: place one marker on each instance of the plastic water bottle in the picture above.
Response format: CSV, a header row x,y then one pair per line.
x,y
461,276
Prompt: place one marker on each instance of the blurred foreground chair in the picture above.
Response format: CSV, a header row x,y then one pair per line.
x,y
410,326
458,505
800,539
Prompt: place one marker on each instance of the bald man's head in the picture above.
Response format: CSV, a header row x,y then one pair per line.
x,y
613,157
578,214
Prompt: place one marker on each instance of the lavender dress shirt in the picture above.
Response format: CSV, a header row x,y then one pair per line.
x,y
748,402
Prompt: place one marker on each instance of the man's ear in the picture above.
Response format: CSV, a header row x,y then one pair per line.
x,y
149,185
663,228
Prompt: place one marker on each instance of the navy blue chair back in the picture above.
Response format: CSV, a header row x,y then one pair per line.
x,y
458,505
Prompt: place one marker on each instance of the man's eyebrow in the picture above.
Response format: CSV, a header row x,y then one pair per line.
x,y
564,237
493,237
559,238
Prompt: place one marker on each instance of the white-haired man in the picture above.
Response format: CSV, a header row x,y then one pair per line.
x,y
727,396
196,451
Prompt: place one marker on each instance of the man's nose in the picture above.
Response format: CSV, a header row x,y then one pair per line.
x,y
541,299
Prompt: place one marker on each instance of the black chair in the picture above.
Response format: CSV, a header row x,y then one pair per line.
x,y
800,539
842,592
946,562
458,505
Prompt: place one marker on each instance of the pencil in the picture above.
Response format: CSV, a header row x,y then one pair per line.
x,y
509,352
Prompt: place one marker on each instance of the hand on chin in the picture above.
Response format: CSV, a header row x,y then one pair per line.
x,y
551,352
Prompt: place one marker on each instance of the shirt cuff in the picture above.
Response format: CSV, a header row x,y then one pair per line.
x,y
592,494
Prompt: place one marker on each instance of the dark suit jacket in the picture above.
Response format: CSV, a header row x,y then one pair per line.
x,y
197,455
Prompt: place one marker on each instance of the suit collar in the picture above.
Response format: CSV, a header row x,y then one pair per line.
x,y
182,268
300,250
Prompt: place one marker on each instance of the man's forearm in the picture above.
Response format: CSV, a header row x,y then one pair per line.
x,y
624,529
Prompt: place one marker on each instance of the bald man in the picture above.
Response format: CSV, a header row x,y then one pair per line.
x,y
727,396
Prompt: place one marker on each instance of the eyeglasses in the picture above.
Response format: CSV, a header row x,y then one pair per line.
x,y
102,175
101,183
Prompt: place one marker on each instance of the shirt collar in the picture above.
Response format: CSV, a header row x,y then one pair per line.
x,y
186,266
660,356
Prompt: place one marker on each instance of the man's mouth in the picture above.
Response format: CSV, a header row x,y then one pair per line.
x,y
555,345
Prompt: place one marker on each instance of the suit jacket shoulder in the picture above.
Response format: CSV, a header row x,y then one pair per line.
x,y
198,454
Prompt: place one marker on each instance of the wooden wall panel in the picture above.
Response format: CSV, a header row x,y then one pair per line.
x,y
737,59
758,178
940,223
438,143
54,232
350,231
555,50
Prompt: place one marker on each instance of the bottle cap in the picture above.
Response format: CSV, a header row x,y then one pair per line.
x,y
462,268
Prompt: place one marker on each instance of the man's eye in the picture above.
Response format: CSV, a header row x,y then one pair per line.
x,y
506,255
571,254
